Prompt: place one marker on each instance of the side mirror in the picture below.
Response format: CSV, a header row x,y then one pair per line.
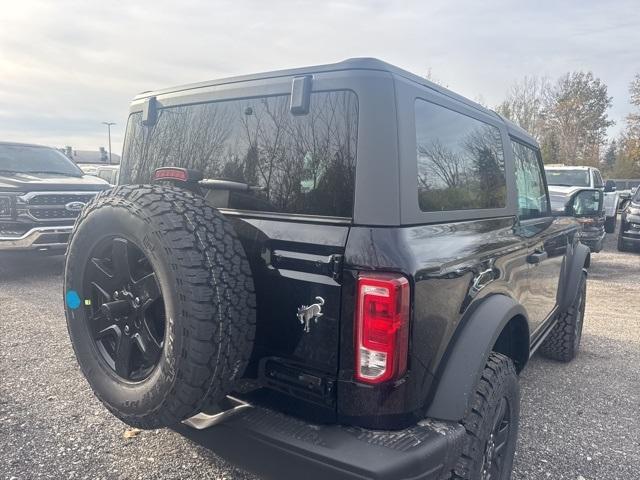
x,y
585,203
610,186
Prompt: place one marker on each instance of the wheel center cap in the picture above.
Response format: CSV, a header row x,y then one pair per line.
x,y
127,295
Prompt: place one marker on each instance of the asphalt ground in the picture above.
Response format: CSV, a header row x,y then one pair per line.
x,y
579,421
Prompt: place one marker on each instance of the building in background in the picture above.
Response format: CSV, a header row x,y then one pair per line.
x,y
91,156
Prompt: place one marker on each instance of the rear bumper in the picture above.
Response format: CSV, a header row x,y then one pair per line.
x,y
631,236
275,445
39,238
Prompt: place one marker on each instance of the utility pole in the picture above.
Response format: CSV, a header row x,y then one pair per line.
x,y
108,124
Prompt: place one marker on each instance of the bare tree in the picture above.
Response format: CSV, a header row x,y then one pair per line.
x,y
432,78
436,161
525,104
633,119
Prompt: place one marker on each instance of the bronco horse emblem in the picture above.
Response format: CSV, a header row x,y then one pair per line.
x,y
311,312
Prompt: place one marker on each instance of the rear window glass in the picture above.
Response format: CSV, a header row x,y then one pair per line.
x,y
567,178
460,161
302,164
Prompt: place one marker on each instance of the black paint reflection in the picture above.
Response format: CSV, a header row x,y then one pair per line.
x,y
303,164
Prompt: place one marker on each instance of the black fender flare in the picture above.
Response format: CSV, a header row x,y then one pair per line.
x,y
581,257
468,356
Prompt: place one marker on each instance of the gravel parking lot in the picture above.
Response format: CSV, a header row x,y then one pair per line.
x,y
579,421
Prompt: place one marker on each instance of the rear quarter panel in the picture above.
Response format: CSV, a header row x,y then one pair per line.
x,y
451,267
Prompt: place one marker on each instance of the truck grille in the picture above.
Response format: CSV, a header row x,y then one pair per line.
x,y
53,206
59,199
49,213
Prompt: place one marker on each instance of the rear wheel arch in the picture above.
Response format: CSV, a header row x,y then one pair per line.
x,y
514,342
497,320
578,262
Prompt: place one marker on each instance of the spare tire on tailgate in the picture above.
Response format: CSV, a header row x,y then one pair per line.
x,y
160,303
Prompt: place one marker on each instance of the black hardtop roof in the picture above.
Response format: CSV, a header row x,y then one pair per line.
x,y
349,64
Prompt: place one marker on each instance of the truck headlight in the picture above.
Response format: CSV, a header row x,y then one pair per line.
x,y
6,209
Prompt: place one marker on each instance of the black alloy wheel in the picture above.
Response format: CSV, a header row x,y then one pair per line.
x,y
125,311
496,446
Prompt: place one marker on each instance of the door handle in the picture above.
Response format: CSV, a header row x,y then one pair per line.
x,y
537,256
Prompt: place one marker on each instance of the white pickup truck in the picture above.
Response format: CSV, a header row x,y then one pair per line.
x,y
569,176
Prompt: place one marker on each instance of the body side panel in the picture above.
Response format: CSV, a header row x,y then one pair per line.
x,y
452,267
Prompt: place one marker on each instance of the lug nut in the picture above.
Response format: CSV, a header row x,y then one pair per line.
x,y
115,294
136,301
126,329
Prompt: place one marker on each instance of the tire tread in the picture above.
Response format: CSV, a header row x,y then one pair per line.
x,y
215,289
559,344
498,370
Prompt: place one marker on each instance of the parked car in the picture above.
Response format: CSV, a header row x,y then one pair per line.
x,y
629,234
41,193
109,173
561,178
592,232
365,258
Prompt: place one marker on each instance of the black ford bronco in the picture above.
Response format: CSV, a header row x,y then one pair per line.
x,y
337,271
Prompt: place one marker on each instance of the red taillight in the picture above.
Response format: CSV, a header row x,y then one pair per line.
x,y
382,327
171,173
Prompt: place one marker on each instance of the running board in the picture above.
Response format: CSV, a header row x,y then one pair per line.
x,y
202,420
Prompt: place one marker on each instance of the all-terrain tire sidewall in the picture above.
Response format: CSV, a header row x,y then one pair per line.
x,y
499,379
189,374
563,342
127,398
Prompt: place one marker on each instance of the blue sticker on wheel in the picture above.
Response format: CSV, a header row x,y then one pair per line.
x,y
73,299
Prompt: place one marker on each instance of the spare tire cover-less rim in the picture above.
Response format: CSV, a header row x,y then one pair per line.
x,y
125,308
207,305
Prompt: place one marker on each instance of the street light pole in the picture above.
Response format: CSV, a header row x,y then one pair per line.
x,y
108,124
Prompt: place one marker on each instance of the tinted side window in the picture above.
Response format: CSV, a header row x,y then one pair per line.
x,y
460,161
303,164
532,196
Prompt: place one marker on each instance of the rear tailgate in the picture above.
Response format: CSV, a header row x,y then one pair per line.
x,y
297,274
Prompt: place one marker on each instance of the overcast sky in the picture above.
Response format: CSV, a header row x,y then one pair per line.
x,y
66,66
